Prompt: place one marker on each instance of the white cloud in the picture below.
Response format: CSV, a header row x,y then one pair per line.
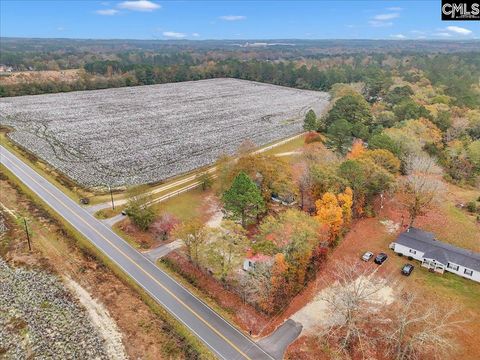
x,y
398,36
383,17
173,34
376,23
383,20
458,30
395,8
195,34
443,34
232,17
107,12
60,28
139,5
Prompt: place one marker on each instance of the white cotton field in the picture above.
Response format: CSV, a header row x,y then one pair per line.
x,y
145,134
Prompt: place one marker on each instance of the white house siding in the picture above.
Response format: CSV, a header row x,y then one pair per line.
x,y
405,250
461,272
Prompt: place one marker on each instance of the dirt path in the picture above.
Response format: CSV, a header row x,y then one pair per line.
x,y
317,312
101,319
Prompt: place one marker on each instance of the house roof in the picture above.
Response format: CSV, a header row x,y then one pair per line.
x,y
259,258
433,249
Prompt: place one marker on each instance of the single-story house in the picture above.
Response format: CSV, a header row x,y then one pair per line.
x,y
251,260
436,255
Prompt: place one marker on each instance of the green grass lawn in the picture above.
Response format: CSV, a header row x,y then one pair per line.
x,y
455,226
452,285
185,206
289,146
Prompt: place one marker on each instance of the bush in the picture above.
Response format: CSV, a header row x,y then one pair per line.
x,y
141,216
312,137
472,206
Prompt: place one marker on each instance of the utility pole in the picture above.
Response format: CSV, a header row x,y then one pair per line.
x,y
111,196
28,235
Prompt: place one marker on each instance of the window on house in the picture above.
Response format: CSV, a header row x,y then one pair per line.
x,y
412,251
468,272
453,266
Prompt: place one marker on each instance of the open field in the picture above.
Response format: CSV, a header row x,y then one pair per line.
x,y
146,134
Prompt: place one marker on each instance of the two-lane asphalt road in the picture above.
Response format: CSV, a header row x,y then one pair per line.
x,y
224,340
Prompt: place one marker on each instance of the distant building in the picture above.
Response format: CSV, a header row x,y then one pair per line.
x,y
436,255
5,68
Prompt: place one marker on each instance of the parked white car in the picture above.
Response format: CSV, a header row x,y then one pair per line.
x,y
367,256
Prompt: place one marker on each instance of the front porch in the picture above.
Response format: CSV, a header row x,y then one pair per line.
x,y
433,265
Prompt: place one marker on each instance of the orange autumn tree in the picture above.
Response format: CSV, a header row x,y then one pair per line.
x,y
335,211
357,149
330,213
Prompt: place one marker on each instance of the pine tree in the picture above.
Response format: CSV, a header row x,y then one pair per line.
x,y
310,122
243,200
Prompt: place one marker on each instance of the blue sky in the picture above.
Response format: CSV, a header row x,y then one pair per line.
x,y
142,19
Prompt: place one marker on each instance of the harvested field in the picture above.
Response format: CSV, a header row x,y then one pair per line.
x,y
145,134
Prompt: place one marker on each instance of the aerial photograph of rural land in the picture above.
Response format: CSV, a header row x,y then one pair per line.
x,y
240,180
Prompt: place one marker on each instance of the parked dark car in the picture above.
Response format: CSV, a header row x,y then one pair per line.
x,y
85,201
407,269
380,258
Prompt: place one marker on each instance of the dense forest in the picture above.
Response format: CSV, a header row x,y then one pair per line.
x,y
458,74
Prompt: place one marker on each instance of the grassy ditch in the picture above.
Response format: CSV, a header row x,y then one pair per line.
x,y
196,349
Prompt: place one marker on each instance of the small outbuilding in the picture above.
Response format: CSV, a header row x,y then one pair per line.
x,y
252,260
436,255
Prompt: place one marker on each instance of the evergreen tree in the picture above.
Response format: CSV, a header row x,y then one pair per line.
x,y
339,135
352,108
243,200
310,122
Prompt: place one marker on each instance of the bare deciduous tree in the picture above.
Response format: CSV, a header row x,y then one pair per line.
x,y
353,303
417,330
419,193
305,185
255,286
421,164
193,234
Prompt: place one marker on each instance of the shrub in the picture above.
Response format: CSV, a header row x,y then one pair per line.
x,y
312,137
472,206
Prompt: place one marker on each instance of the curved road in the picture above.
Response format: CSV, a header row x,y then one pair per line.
x,y
224,340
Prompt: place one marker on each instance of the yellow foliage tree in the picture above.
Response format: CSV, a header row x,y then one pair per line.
x,y
357,149
330,213
345,200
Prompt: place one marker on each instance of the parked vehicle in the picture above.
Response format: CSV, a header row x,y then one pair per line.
x,y
380,259
407,269
367,256
85,201
124,212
